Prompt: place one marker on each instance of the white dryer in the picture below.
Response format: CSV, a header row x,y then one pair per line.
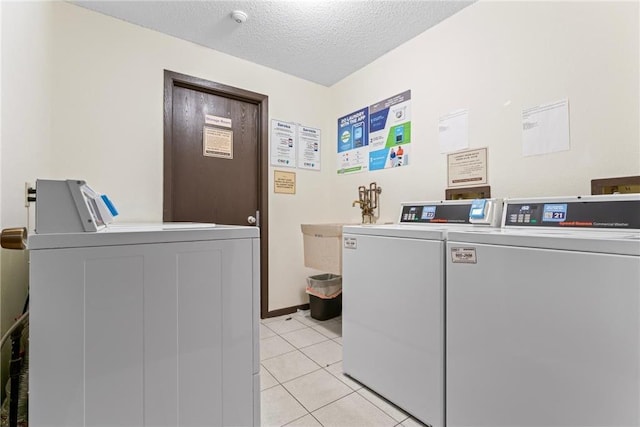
x,y
543,316
393,301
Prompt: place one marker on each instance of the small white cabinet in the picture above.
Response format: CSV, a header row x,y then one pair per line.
x,y
145,327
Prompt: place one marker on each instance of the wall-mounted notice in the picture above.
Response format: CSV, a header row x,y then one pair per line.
x,y
217,142
283,144
545,128
353,142
467,168
453,131
308,148
284,182
390,132
217,121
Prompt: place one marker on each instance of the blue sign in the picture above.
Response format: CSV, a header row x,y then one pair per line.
x,y
428,212
556,212
352,130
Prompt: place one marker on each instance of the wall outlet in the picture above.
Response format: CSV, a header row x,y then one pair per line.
x,y
29,194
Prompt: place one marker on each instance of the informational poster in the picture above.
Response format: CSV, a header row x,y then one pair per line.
x,y
453,131
217,142
467,168
284,182
545,128
390,132
353,142
308,148
283,144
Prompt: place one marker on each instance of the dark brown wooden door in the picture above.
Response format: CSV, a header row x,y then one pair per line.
x,y
206,188
205,178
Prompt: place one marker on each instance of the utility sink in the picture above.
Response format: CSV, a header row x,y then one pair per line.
x,y
323,247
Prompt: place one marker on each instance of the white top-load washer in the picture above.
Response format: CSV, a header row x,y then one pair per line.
x,y
141,324
393,301
543,316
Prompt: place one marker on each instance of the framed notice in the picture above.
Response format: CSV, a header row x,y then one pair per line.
x,y
467,168
217,142
284,182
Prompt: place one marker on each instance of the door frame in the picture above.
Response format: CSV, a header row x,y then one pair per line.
x,y
172,79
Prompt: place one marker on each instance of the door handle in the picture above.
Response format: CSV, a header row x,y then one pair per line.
x,y
251,220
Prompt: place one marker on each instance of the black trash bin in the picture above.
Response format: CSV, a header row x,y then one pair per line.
x,y
325,296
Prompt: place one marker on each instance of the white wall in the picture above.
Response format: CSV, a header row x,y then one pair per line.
x,y
495,58
82,97
105,77
25,139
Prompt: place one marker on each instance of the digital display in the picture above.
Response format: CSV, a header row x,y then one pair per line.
x,y
357,132
556,212
428,212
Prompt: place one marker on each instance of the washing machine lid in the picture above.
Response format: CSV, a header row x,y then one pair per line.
x,y
142,233
397,230
622,242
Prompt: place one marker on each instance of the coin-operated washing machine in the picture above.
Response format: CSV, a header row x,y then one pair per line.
x,y
393,301
139,325
543,316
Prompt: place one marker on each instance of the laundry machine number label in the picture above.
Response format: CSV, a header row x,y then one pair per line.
x,y
350,243
464,255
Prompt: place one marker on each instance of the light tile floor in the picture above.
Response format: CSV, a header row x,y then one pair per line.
x,y
302,383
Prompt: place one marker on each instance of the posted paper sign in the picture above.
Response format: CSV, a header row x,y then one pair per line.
x,y
283,144
545,128
217,121
217,142
353,142
284,182
453,131
390,132
308,148
467,168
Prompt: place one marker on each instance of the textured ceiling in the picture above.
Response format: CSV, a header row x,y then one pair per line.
x,y
320,41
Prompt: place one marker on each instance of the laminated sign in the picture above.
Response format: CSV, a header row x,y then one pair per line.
x,y
217,142
464,255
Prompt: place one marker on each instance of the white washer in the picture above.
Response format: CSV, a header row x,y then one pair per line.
x,y
543,316
151,325
393,303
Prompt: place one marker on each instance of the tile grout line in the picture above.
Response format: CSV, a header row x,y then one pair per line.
x,y
384,401
339,379
295,378
329,403
278,355
351,390
321,367
325,369
324,336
